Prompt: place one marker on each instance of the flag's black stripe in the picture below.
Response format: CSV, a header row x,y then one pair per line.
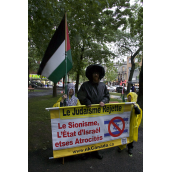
x,y
56,41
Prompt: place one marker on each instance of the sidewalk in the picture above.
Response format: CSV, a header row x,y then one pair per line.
x,y
115,97
44,92
38,161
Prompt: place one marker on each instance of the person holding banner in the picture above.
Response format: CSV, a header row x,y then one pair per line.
x,y
71,100
135,120
94,92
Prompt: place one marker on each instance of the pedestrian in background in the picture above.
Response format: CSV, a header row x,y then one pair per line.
x,y
133,88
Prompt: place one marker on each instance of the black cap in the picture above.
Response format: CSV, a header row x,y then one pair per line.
x,y
95,68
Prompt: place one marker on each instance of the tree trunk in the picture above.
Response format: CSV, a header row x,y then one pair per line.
x,y
131,75
140,97
54,90
133,67
78,72
28,75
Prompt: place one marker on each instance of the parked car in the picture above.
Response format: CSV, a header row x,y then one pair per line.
x,y
115,86
137,89
60,85
119,89
34,85
107,87
111,89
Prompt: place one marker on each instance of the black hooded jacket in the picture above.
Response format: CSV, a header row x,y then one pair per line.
x,y
92,93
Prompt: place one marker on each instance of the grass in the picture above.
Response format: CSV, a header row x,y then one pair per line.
x,y
115,100
39,123
116,94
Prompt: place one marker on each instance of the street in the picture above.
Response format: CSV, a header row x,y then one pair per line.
x,y
43,92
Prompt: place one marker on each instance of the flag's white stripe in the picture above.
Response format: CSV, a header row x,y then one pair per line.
x,y
57,58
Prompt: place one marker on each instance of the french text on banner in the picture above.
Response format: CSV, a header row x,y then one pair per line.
x,y
84,131
93,111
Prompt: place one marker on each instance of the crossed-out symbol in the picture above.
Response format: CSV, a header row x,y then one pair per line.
x,y
116,126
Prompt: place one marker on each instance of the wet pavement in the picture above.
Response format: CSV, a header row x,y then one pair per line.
x,y
49,91
113,161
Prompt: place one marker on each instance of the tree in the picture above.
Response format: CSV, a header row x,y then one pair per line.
x,y
90,23
95,27
136,21
133,66
140,96
32,58
136,25
129,40
128,45
111,72
42,20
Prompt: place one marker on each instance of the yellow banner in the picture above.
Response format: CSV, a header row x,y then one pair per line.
x,y
71,112
89,148
99,128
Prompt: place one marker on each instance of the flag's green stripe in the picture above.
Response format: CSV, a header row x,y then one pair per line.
x,y
59,72
69,56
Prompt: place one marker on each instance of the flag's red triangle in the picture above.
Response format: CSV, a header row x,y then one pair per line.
x,y
68,42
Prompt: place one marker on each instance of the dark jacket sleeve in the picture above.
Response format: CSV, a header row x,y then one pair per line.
x,y
82,96
61,104
106,96
137,110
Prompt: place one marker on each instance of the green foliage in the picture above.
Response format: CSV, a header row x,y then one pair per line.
x,y
42,18
126,43
139,59
111,72
39,123
33,56
136,21
91,24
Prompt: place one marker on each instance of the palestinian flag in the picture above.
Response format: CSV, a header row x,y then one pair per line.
x,y
53,65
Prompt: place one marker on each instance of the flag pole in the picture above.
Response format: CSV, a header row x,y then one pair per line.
x,y
66,52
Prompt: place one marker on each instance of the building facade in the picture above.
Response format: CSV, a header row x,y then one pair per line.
x,y
122,72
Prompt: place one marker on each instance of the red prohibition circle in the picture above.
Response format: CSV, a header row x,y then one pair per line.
x,y
120,131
